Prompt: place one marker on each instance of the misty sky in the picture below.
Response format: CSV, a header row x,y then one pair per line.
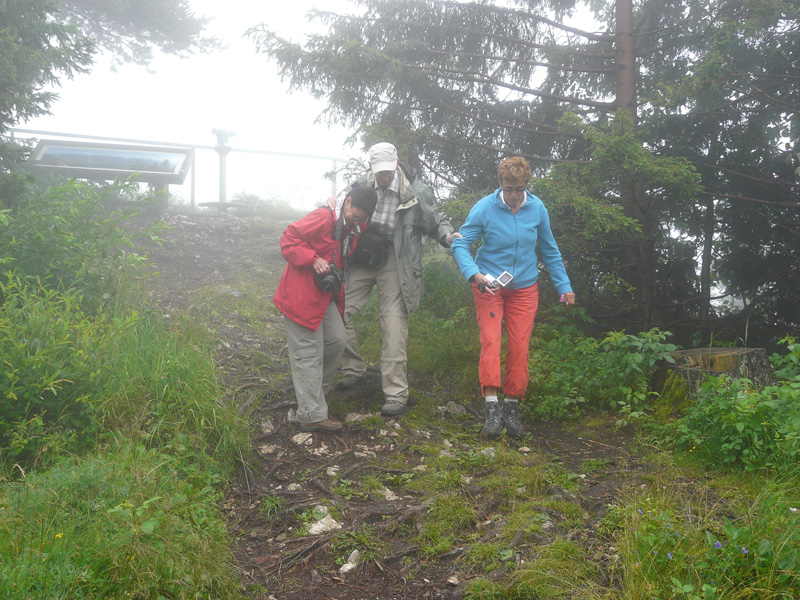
x,y
181,100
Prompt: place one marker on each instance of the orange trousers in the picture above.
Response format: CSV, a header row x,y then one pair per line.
x,y
517,308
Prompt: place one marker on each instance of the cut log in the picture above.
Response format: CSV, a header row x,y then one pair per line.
x,y
694,366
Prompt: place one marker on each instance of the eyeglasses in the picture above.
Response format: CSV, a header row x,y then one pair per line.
x,y
514,190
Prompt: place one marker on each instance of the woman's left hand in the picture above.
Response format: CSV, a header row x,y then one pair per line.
x,y
568,299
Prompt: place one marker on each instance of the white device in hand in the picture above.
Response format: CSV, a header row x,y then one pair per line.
x,y
501,280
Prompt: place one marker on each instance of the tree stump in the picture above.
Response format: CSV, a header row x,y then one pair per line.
x,y
694,366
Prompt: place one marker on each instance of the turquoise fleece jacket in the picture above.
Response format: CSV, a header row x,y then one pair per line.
x,y
509,242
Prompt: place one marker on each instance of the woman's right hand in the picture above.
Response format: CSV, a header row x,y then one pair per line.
x,y
321,266
484,285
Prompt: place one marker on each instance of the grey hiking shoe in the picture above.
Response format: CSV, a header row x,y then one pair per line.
x,y
511,420
493,425
393,408
348,382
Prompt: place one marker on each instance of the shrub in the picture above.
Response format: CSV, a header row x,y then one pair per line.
x,y
50,364
67,377
161,384
65,239
732,424
787,366
612,373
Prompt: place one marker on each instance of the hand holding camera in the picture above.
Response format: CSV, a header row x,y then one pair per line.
x,y
488,282
327,276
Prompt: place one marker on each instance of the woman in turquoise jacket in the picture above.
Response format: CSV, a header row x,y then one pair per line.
x,y
510,223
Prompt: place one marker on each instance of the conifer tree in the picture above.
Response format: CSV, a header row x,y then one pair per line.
x,y
625,107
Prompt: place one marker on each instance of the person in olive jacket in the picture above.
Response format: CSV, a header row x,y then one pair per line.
x,y
406,211
311,298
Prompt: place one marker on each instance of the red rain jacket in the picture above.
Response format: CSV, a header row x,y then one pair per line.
x,y
297,296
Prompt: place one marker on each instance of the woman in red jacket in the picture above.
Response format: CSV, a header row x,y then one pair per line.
x,y
311,298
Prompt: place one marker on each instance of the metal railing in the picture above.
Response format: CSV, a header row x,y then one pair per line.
x,y
221,148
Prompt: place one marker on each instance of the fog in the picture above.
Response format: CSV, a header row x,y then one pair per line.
x,y
180,101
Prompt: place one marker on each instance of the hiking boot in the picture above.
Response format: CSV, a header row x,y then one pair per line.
x,y
393,408
326,425
493,426
511,420
348,382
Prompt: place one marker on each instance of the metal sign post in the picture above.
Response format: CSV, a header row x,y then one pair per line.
x,y
223,149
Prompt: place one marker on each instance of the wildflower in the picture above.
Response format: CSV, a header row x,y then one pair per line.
x,y
59,535
717,544
640,511
669,555
744,550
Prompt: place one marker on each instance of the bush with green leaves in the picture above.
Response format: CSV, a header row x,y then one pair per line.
x,y
613,373
66,378
787,366
64,238
733,424
50,364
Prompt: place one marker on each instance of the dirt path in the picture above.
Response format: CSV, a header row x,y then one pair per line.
x,y
223,269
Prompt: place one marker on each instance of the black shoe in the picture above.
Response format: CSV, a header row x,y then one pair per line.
x,y
348,382
393,408
493,426
511,420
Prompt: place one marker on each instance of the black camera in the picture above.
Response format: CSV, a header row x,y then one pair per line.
x,y
330,281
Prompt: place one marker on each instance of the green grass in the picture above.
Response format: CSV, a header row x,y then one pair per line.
x,y
364,539
745,545
560,570
120,522
270,506
447,516
128,507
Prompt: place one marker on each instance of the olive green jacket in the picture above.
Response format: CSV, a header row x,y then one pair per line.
x,y
416,216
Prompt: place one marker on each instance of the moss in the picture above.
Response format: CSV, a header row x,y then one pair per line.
x,y
673,399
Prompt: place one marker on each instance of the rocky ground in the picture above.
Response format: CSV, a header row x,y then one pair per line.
x,y
222,268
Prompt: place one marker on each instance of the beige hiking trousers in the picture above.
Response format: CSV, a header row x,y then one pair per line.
x,y
314,358
359,282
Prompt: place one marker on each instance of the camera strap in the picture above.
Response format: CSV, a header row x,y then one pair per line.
x,y
337,235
